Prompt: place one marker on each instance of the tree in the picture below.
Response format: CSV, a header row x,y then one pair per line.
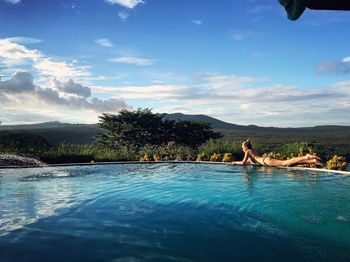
x,y
131,128
191,133
23,142
134,129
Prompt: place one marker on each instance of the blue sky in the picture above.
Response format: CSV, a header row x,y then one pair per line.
x,y
241,61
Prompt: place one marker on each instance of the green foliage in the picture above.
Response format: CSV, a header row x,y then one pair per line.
x,y
167,152
131,128
297,149
84,153
142,127
337,163
276,155
221,146
23,143
202,157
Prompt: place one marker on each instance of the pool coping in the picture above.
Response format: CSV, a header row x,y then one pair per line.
x,y
178,162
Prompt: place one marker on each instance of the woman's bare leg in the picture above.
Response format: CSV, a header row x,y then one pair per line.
x,y
311,162
307,159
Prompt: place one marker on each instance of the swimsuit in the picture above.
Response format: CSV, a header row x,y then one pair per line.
x,y
264,160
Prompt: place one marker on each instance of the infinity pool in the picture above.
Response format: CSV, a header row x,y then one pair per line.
x,y
173,212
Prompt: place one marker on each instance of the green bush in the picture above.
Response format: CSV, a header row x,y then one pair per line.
x,y
216,157
337,163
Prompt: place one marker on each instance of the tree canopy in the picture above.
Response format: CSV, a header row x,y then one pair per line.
x,y
142,127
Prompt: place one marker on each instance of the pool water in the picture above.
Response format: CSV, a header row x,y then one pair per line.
x,y
173,212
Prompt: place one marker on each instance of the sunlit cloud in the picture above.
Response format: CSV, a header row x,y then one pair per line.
x,y
20,89
62,69
14,2
23,40
132,60
104,42
197,22
245,100
13,54
126,3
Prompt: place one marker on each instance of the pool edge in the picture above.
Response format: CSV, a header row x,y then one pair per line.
x,y
178,162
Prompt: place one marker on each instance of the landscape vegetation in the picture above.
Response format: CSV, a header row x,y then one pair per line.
x,y
142,135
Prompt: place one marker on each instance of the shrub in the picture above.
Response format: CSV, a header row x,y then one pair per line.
x,y
216,157
337,163
167,152
201,157
156,158
297,149
221,146
227,157
145,158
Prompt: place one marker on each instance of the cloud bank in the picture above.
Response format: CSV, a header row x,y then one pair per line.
x,y
13,54
246,100
67,94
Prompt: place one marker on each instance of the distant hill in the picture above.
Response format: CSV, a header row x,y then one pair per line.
x,y
57,132
215,123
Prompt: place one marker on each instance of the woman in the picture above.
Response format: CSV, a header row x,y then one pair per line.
x,y
250,156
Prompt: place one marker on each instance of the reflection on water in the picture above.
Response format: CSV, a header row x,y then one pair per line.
x,y
26,203
187,212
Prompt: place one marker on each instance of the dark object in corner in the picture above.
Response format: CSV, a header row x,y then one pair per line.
x,y
295,8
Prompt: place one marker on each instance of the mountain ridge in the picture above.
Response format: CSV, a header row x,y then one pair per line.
x,y
216,123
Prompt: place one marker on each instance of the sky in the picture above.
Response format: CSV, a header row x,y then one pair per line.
x,y
241,61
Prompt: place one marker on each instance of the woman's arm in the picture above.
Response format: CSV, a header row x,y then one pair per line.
x,y
245,159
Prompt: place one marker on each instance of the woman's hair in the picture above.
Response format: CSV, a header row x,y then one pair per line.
x,y
247,144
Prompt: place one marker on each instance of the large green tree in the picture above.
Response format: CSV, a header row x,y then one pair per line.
x,y
142,127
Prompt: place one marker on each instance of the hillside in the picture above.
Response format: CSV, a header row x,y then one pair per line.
x,y
335,138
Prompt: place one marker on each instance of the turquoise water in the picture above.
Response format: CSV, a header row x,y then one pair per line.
x,y
173,212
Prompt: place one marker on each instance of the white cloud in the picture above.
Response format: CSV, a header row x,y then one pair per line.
x,y
126,3
123,15
61,70
155,92
13,54
14,2
104,42
197,22
55,89
245,100
23,40
346,59
132,60
20,90
333,67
